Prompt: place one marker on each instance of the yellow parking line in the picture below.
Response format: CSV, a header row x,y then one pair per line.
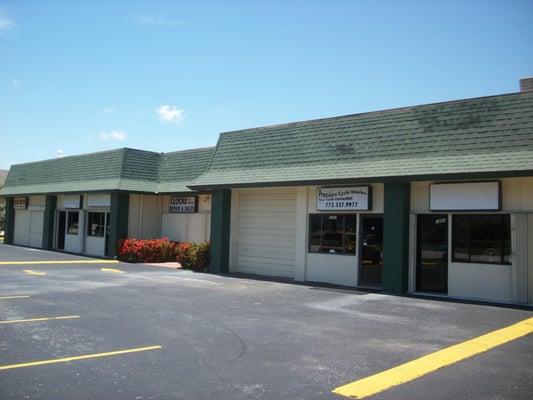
x,y
424,365
59,262
116,271
32,272
75,358
13,297
16,321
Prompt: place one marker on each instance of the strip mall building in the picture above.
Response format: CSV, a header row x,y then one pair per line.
x,y
434,199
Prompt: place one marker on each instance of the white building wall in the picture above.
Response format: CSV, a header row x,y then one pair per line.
x,y
29,223
338,269
269,235
144,217
187,227
501,283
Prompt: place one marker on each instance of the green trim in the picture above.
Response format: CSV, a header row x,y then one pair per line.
x,y
48,222
118,225
9,229
220,231
396,236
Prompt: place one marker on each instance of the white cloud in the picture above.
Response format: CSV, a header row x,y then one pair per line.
x,y
16,84
106,136
109,110
5,23
60,153
170,114
154,20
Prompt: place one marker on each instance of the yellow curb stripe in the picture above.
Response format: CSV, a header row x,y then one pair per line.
x,y
32,272
431,362
59,262
116,271
15,321
75,358
13,297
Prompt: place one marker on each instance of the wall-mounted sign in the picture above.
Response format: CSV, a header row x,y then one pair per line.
x,y
72,201
99,200
183,204
20,203
465,196
344,198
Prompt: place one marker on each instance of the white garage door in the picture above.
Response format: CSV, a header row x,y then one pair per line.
x,y
266,232
22,228
28,228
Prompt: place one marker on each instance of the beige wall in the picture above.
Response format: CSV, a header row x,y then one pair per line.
x,y
502,283
144,217
517,195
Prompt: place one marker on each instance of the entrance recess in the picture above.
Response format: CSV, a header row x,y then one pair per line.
x,y
371,264
61,227
432,253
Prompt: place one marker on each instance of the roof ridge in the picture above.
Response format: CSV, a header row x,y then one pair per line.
x,y
387,110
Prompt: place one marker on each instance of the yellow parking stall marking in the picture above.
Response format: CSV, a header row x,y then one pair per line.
x,y
32,272
116,271
431,362
13,297
17,321
76,358
59,262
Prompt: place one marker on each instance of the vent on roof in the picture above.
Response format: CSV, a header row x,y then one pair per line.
x,y
526,84
341,147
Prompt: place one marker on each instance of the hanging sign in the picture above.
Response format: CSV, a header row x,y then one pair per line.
x,y
20,203
183,204
344,198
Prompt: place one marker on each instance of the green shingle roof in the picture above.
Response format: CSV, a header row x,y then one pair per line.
x,y
121,169
489,134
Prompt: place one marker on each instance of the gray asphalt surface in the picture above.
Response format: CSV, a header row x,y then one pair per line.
x,y
235,338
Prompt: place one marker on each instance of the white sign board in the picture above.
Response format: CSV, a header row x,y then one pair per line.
x,y
99,200
183,204
465,196
71,201
344,198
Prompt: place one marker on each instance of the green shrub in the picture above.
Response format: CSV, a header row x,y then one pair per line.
x,y
193,256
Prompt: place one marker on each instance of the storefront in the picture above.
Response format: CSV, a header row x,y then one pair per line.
x,y
85,204
434,199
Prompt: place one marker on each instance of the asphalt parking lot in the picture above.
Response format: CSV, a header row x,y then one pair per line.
x,y
155,333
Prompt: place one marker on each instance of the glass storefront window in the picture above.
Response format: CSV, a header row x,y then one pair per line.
x,y
95,224
484,238
332,234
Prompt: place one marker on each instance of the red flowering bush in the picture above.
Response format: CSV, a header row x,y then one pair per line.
x,y
147,251
193,256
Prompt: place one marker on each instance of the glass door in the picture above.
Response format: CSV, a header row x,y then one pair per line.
x,y
432,253
371,263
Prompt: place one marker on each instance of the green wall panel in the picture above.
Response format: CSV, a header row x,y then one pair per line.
x,y
9,221
396,237
220,230
48,221
118,225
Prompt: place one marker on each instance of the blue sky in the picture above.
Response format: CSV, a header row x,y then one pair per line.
x,y
78,77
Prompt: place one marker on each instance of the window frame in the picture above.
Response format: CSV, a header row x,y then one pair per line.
x,y
325,215
502,238
103,224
